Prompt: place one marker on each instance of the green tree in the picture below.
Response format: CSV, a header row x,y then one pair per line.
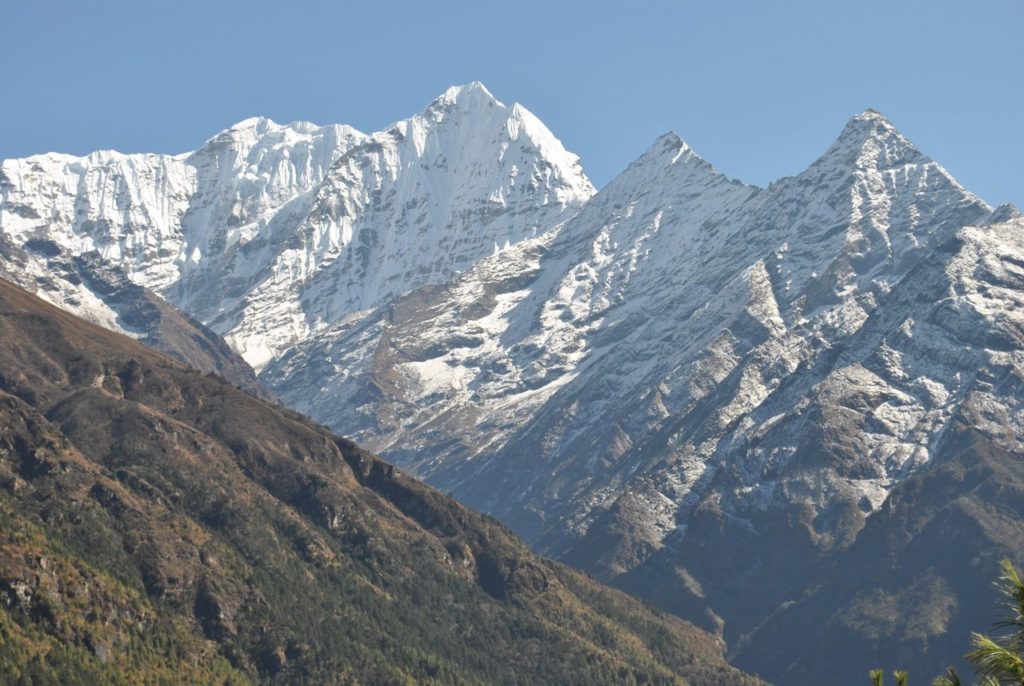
x,y
998,661
877,677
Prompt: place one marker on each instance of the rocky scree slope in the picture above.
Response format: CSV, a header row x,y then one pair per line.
x,y
159,524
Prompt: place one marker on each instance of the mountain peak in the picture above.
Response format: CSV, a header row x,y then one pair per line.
x,y
257,124
263,125
670,138
468,116
670,149
1004,213
870,113
470,94
870,140
249,129
870,124
668,163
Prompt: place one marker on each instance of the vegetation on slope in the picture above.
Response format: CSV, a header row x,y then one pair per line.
x,y
161,526
998,660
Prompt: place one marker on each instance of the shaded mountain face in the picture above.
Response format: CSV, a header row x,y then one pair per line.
x,y
916,582
159,523
88,285
695,388
269,232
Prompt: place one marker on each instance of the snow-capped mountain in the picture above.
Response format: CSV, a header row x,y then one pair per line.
x,y
693,387
269,232
772,360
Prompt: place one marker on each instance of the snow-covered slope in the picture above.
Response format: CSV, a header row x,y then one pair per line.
x,y
413,205
688,345
269,232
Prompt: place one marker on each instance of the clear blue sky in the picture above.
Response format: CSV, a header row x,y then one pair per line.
x,y
758,87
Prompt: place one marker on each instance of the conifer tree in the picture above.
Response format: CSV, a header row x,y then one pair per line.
x,y
999,660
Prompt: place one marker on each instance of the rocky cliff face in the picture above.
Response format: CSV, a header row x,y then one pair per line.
x,y
697,388
679,321
917,580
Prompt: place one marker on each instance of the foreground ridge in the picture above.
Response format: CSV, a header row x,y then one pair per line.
x,y
160,524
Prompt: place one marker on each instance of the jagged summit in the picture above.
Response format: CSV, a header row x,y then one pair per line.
x,y
670,161
869,139
669,140
871,118
1004,213
268,231
250,129
667,149
471,103
469,100
262,125
871,112
254,123
257,131
472,113
474,90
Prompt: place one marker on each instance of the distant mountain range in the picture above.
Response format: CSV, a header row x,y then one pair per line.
x,y
752,406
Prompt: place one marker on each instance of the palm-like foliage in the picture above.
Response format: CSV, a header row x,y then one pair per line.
x,y
877,677
950,678
999,661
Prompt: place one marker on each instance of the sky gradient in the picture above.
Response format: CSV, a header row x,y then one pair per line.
x,y
758,88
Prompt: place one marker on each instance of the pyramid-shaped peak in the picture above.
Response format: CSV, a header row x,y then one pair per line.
x,y
869,139
670,139
669,154
670,148
872,113
870,124
470,94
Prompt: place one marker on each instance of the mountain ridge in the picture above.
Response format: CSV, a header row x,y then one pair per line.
x,y
257,209
623,404
156,516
